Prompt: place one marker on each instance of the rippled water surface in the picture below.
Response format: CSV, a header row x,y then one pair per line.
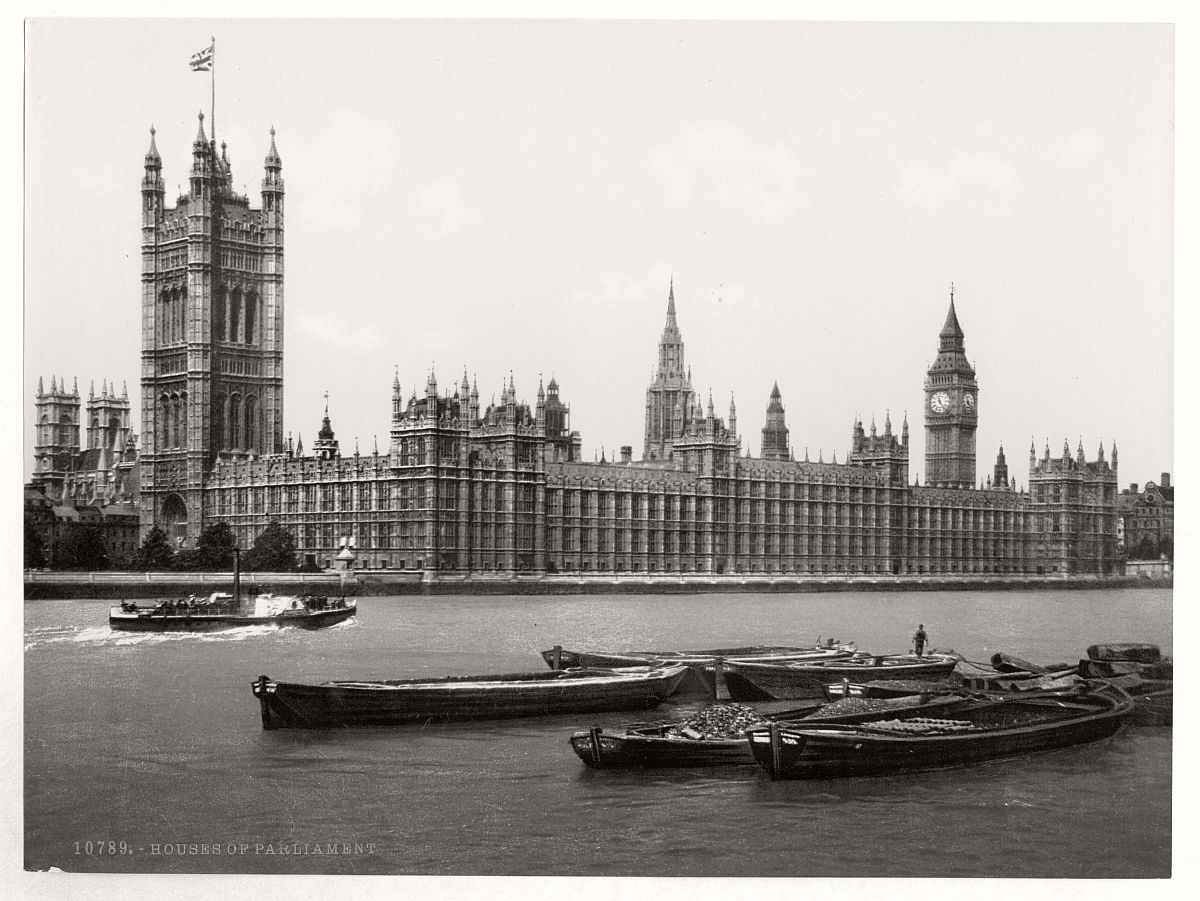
x,y
155,741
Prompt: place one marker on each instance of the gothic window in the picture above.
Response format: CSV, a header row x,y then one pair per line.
x,y
235,421
220,302
251,316
173,422
164,412
235,309
181,330
181,421
218,422
251,433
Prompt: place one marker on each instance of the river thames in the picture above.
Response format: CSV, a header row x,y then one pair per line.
x,y
145,753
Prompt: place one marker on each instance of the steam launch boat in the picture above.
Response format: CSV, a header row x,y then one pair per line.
x,y
223,610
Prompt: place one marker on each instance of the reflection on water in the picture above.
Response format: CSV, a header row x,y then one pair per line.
x,y
152,738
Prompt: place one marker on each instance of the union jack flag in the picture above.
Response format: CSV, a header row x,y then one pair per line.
x,y
202,61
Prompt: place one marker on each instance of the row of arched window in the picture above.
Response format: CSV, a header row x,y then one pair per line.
x,y
236,423
172,420
65,432
171,316
235,316
412,453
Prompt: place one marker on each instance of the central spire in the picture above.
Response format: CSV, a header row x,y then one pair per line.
x,y
952,334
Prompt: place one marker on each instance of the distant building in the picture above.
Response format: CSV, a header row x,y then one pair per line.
x,y
96,484
1148,519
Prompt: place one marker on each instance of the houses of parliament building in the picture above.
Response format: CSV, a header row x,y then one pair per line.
x,y
464,490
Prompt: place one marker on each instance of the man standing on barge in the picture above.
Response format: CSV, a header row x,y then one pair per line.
x,y
920,639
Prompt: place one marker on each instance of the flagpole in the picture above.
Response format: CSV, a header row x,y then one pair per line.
x,y
213,73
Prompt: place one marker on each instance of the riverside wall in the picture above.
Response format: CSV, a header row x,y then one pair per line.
x,y
47,585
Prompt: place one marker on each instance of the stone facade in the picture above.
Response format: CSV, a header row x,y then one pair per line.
x,y
464,491
212,330
1147,518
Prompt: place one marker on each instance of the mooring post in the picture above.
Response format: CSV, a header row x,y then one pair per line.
x,y
594,734
718,677
776,750
558,656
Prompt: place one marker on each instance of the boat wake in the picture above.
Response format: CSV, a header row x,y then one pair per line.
x,y
103,635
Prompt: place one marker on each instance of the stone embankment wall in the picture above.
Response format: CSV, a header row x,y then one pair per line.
x,y
378,584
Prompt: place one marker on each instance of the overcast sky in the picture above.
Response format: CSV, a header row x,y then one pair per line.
x,y
515,196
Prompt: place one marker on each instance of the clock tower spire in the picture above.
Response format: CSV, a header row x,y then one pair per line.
x,y
951,410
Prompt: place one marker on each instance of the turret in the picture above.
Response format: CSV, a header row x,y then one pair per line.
x,y
152,186
272,186
1000,474
326,445
202,164
775,431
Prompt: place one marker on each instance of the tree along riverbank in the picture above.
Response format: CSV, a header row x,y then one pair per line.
x,y
112,585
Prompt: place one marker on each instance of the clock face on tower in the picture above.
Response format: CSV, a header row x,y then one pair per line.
x,y
940,402
968,402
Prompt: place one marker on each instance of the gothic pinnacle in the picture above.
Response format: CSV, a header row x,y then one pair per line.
x,y
152,157
273,161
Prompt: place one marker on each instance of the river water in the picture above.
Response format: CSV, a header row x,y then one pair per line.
x,y
145,753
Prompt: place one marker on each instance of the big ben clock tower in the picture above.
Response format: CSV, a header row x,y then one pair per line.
x,y
951,411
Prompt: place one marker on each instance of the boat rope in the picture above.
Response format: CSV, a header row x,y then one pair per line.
x,y
953,653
